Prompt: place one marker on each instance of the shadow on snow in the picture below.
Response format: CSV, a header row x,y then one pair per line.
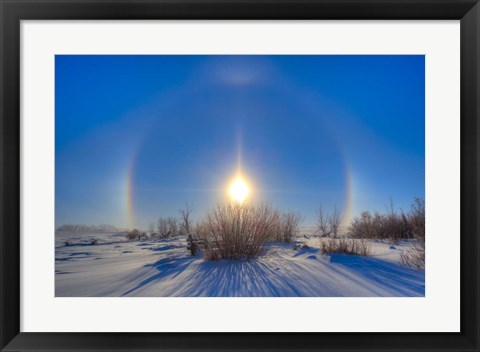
x,y
269,276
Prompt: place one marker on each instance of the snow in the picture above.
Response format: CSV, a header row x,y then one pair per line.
x,y
116,267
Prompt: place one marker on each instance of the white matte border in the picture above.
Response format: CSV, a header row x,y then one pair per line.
x,y
439,311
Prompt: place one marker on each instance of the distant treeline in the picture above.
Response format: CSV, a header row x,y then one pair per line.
x,y
88,228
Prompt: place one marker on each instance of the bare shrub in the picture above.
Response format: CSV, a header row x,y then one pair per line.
x,y
364,226
334,221
345,246
213,254
162,228
151,229
239,231
392,226
417,218
201,229
323,223
185,221
396,225
133,235
288,227
167,227
172,226
415,257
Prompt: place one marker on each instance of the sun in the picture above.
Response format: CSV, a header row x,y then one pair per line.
x,y
239,190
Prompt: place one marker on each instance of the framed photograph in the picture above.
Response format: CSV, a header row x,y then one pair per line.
x,y
239,175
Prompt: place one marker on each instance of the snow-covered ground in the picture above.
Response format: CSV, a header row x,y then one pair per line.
x,y
116,267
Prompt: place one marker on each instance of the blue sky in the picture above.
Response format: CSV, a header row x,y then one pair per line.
x,y
138,136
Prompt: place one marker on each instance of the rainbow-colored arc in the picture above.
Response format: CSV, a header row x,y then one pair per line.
x,y
347,213
129,194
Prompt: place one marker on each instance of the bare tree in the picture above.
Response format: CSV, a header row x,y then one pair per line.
x,y
289,226
163,228
151,228
167,227
323,223
185,221
334,221
172,226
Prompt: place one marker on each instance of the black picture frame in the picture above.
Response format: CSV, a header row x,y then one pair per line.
x,y
13,11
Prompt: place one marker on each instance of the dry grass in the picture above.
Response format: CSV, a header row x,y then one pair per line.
x,y
415,257
345,246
